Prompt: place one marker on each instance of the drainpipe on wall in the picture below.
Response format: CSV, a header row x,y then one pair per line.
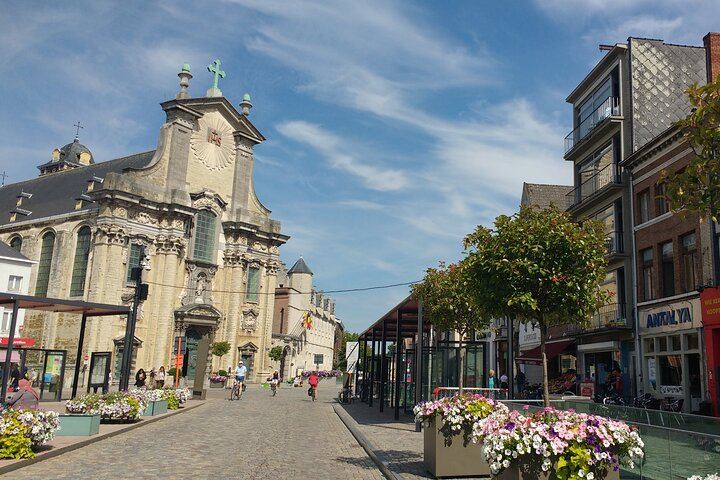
x,y
636,318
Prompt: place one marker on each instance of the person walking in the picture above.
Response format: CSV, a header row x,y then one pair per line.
x,y
520,380
14,376
140,378
160,377
491,384
313,381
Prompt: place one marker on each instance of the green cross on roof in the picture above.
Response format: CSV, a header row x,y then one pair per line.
x,y
214,68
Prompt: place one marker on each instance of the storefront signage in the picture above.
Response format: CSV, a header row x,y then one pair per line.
x,y
710,305
670,317
18,341
676,390
528,334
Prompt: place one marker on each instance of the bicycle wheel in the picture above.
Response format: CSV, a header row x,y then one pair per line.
x,y
234,393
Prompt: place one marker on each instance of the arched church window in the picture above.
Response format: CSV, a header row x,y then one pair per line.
x,y
16,243
82,252
43,275
204,236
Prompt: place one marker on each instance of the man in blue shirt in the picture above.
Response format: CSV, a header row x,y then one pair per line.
x,y
240,373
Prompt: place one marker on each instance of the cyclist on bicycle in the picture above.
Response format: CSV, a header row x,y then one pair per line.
x,y
240,373
275,381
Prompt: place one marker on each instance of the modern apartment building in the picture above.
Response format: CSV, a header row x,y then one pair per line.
x,y
635,92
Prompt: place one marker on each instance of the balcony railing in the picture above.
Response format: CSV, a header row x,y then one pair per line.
x,y
610,315
611,106
614,243
608,175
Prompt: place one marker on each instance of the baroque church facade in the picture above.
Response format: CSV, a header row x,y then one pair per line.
x,y
190,207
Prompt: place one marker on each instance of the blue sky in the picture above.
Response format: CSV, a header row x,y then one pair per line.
x,y
393,128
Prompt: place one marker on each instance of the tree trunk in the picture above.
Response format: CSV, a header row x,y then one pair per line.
x,y
543,336
461,363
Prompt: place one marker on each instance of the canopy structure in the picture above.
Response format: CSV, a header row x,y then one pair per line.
x,y
552,350
86,309
404,321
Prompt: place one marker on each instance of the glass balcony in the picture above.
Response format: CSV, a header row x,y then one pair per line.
x,y
606,176
610,107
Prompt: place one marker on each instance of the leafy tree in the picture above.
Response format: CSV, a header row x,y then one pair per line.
x,y
220,348
449,306
538,266
697,187
276,353
342,354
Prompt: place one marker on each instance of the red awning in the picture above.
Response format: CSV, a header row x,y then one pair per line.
x,y
552,350
14,356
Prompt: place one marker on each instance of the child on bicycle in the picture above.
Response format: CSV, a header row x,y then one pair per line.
x,y
275,380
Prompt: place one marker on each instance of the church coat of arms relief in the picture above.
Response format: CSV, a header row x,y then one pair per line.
x,y
213,143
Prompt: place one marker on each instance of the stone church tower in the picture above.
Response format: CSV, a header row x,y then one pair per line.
x,y
190,206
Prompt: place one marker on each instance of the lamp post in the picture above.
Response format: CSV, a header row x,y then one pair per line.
x,y
141,293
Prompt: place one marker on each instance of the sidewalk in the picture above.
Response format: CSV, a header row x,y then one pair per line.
x,y
394,445
61,445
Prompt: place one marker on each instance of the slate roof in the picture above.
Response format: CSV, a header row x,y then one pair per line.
x,y
543,195
300,267
57,193
6,251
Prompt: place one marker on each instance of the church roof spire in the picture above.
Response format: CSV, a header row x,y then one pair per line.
x,y
300,267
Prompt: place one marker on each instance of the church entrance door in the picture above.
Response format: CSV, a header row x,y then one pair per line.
x,y
196,353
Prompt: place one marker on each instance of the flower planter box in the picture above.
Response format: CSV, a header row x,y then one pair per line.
x,y
156,408
454,460
217,384
516,472
78,425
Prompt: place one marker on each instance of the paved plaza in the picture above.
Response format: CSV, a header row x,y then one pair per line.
x,y
286,436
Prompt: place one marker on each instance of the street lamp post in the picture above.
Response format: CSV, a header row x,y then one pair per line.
x,y
141,293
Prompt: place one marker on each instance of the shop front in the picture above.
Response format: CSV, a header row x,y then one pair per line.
x,y
597,361
710,307
670,334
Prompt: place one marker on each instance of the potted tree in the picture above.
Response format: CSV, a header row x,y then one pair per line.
x,y
219,349
445,298
538,266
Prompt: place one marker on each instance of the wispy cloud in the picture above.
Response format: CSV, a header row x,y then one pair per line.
x,y
338,156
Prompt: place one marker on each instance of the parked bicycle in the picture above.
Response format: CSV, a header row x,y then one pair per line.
x,y
345,395
647,402
611,398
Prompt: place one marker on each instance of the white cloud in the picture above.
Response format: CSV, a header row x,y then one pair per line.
x,y
332,148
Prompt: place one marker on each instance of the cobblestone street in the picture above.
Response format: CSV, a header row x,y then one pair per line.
x,y
260,436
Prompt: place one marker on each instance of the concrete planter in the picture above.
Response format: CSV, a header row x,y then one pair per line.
x,y
217,384
156,408
515,472
78,425
455,459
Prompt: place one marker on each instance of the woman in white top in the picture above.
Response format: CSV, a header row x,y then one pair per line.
x,y
160,377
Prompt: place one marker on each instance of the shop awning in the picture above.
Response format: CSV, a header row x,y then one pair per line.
x,y
552,350
14,356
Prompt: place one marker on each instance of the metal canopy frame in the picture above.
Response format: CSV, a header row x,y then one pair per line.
x,y
29,302
403,321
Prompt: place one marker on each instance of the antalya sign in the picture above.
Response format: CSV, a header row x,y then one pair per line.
x,y
671,317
